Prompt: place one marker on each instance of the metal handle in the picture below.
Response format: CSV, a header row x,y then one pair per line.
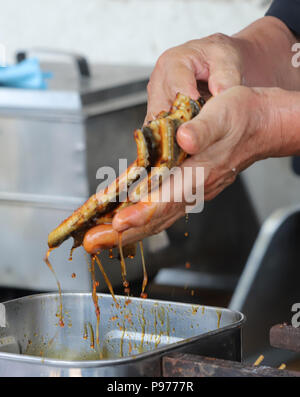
x,y
80,61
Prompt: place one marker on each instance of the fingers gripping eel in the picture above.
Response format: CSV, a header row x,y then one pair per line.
x,y
156,147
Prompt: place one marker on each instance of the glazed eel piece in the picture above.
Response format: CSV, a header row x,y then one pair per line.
x,y
156,147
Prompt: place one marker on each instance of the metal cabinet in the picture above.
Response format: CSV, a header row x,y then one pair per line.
x,y
51,144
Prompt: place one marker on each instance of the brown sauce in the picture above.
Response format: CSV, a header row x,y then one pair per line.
x,y
95,300
142,321
145,275
122,340
60,314
107,281
219,314
95,338
71,254
85,333
122,260
92,340
123,266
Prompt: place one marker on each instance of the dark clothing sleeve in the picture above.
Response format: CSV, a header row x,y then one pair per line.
x,y
288,11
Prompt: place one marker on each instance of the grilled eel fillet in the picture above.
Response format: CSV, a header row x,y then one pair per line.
x,y
156,147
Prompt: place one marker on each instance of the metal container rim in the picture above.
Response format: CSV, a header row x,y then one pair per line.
x,y
125,360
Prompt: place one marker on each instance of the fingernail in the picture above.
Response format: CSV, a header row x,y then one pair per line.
x,y
188,139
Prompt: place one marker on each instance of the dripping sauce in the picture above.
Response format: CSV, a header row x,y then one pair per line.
x,y
60,314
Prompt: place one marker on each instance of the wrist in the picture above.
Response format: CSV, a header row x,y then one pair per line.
x,y
280,122
265,48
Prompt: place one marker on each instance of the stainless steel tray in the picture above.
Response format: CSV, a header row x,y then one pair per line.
x,y
133,337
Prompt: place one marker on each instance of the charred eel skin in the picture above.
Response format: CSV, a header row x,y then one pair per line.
x,y
156,147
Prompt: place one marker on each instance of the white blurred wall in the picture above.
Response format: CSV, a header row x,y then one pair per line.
x,y
137,32
119,31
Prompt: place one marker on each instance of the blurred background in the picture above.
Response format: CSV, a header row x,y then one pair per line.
x,y
120,31
72,90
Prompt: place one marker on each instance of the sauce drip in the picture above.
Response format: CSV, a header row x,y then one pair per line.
x,y
122,340
92,336
142,322
145,278
85,334
123,266
108,283
60,314
95,300
71,254
219,314
86,256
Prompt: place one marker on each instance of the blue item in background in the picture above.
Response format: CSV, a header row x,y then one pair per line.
x,y
26,74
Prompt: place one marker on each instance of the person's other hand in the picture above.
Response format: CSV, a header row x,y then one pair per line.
x,y
216,59
258,56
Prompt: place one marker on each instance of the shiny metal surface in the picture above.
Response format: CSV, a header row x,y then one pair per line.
x,y
70,94
45,171
133,337
23,244
42,157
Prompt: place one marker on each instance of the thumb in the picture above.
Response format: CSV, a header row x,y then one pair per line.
x,y
204,130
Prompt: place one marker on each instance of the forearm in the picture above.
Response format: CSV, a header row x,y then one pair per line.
x,y
266,47
282,122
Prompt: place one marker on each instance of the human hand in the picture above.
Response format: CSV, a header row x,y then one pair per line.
x,y
231,132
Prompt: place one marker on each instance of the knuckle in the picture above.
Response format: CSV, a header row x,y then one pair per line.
x,y
164,57
225,47
155,226
170,56
149,86
242,93
148,229
219,38
203,128
192,43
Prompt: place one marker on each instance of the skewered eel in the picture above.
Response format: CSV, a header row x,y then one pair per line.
x,y
157,151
